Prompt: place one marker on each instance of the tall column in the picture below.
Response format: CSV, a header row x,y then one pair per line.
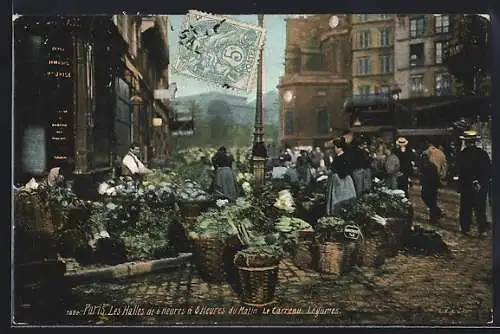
x,y
259,152
82,105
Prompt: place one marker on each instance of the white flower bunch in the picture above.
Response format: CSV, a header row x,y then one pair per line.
x,y
247,188
245,177
221,202
395,192
285,201
103,188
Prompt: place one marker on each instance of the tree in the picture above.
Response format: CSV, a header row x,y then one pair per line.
x,y
468,55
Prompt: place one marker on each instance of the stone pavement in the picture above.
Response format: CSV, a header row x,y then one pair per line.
x,y
405,290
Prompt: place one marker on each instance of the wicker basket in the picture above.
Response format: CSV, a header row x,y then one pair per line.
x,y
33,213
375,249
397,230
304,255
210,259
190,210
337,258
258,284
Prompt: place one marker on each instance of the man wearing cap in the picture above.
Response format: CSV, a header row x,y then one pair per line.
x,y
474,172
406,160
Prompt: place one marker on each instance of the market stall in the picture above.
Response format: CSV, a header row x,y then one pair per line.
x,y
171,211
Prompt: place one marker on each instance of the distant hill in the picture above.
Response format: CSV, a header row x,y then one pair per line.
x,y
233,108
271,107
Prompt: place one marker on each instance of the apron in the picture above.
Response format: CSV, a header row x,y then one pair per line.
x,y
338,191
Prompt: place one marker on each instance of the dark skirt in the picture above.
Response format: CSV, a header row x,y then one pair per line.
x,y
305,175
225,183
362,180
338,191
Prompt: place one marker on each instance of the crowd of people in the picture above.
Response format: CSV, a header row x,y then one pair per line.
x,y
351,163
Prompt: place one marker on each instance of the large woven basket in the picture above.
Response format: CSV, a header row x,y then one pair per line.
x,y
210,259
398,229
337,258
33,213
304,255
190,210
258,285
375,247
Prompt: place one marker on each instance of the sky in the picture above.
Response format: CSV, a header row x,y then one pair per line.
x,y
274,55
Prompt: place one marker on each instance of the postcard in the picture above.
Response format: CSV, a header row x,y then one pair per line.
x,y
214,169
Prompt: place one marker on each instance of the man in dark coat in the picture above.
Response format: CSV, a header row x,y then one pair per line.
x,y
406,160
429,181
474,172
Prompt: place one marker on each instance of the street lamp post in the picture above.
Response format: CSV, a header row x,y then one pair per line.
x,y
259,151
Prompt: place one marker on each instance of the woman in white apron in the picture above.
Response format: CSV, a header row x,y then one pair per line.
x,y
340,184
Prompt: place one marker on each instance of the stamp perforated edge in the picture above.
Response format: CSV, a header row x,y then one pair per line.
x,y
253,73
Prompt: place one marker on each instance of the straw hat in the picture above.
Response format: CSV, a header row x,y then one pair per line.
x,y
402,141
470,135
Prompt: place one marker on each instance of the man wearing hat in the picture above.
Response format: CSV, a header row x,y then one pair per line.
x,y
406,160
474,172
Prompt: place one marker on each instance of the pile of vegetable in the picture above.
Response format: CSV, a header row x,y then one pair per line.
x,y
191,191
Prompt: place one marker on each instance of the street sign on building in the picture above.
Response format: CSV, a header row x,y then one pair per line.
x,y
182,123
166,94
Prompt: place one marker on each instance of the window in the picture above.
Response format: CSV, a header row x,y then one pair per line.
x,y
386,37
417,55
417,27
417,85
322,122
363,17
365,65
364,90
365,39
385,16
443,84
386,64
289,123
313,62
442,24
439,48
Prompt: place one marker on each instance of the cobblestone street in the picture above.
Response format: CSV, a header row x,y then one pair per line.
x,y
405,290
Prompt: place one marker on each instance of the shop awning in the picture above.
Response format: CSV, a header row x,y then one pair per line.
x,y
368,128
425,132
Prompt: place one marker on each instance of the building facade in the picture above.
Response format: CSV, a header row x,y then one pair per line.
x,y
75,85
146,70
421,40
372,53
317,79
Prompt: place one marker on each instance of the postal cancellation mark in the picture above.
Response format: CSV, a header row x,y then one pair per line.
x,y
227,56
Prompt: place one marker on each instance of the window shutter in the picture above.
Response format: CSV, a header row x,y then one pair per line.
x,y
426,24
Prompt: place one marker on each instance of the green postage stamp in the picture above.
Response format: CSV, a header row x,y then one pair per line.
x,y
219,50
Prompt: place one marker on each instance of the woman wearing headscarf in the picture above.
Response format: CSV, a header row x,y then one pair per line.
x,y
224,181
340,184
62,173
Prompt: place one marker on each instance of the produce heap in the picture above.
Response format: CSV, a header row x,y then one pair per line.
x,y
264,223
